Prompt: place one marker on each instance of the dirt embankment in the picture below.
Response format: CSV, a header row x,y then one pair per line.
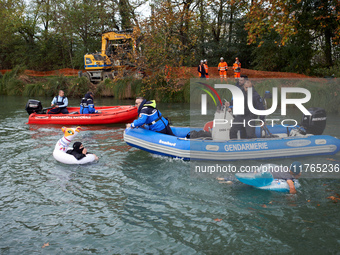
x,y
183,72
65,71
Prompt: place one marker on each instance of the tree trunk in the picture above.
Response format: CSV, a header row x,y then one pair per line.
x,y
328,47
201,11
231,23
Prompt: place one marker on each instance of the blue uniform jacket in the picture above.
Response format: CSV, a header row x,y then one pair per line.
x,y
88,107
147,115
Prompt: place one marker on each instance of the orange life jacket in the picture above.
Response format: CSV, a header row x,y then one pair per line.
x,y
237,67
206,68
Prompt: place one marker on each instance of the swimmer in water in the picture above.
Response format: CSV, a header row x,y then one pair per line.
x,y
79,151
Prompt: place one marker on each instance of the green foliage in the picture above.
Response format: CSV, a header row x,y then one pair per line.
x,y
10,84
105,88
295,36
328,72
2,85
269,56
15,87
186,91
35,89
121,88
136,87
56,83
78,87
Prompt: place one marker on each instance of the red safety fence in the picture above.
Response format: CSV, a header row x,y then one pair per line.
x,y
65,71
180,72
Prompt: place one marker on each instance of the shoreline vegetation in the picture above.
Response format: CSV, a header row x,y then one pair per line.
x,y
164,88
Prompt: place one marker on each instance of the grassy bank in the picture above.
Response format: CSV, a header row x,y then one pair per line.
x,y
325,92
16,82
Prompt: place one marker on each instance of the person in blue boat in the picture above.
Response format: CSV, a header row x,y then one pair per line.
x,y
87,105
240,81
59,103
149,115
246,130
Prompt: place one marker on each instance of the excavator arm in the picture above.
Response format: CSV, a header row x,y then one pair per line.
x,y
115,55
113,36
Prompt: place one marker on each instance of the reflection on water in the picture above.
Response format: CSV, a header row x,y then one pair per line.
x,y
135,202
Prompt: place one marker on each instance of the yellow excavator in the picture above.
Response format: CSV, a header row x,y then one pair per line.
x,y
118,53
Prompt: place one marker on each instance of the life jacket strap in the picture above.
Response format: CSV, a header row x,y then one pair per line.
x,y
154,122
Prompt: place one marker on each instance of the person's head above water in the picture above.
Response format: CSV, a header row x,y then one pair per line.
x,y
78,147
296,168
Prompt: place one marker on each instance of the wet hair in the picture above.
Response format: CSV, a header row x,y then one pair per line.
x,y
296,167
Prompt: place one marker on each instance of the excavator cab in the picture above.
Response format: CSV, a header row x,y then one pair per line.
x,y
117,53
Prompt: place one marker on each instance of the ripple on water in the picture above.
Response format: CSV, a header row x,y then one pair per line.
x,y
134,202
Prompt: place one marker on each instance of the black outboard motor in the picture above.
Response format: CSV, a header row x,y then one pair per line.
x,y
314,124
33,106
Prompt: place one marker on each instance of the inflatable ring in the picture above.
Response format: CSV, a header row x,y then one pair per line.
x,y
61,147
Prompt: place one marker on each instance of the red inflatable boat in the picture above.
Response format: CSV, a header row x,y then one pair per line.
x,y
107,115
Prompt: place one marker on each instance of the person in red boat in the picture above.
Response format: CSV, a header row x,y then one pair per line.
x,y
59,103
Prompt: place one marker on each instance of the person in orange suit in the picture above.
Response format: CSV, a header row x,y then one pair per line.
x,y
223,68
237,68
206,69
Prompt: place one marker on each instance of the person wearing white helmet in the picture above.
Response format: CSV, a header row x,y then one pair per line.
x,y
223,68
237,69
201,70
206,68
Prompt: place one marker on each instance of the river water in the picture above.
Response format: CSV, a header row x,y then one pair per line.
x,y
134,202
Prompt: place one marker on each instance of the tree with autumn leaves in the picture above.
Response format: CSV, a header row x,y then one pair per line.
x,y
286,35
320,19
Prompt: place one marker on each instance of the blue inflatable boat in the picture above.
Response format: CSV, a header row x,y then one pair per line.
x,y
274,141
179,146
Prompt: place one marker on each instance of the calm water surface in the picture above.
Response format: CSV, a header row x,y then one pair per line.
x,y
134,202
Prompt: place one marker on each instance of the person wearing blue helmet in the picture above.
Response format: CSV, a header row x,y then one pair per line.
x,y
87,104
